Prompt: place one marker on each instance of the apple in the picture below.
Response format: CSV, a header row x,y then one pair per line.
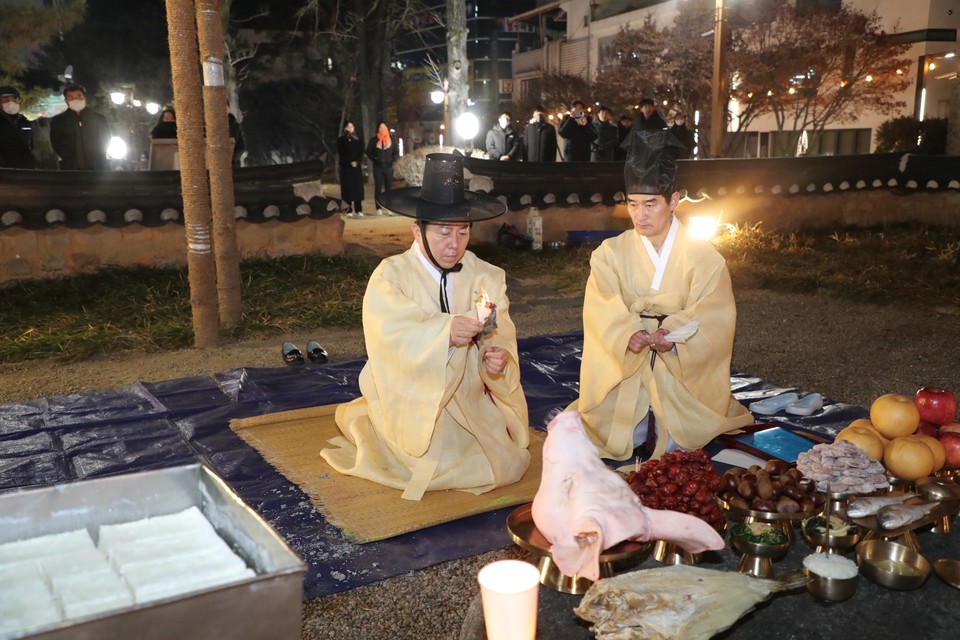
x,y
894,415
928,429
936,405
951,447
953,427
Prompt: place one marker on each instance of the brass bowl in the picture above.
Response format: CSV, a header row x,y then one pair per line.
x,y
892,565
759,549
949,571
833,543
831,589
757,558
940,490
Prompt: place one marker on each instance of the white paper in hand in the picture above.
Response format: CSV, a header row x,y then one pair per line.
x,y
683,333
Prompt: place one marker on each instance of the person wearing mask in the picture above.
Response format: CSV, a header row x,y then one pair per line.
x,y
539,139
649,119
658,322
16,133
502,140
577,133
683,134
79,135
606,137
442,407
383,152
166,127
350,156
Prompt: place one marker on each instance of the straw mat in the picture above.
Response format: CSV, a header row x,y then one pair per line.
x,y
366,511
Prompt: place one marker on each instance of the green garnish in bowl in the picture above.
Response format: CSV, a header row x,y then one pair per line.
x,y
759,533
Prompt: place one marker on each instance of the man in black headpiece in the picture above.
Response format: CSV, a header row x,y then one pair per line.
x,y
658,322
442,406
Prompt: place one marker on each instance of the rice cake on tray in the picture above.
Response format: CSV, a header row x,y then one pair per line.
x,y
252,585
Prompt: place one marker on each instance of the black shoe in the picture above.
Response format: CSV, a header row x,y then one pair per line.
x,y
315,352
291,354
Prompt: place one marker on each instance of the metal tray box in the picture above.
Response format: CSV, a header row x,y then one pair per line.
x,y
267,606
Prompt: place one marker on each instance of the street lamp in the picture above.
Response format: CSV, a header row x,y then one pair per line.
x,y
468,126
438,96
118,97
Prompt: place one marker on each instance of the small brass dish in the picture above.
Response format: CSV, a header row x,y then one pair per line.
x,y
819,539
892,565
756,557
831,589
949,571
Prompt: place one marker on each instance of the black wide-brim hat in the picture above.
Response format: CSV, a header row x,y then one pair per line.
x,y
442,197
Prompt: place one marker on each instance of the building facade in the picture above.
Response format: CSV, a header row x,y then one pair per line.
x,y
589,28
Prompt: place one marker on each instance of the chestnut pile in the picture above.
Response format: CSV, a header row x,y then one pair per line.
x,y
683,481
776,487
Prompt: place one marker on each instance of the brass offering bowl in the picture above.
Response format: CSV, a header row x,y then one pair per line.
x,y
757,558
947,493
892,565
524,532
784,522
672,554
831,589
824,543
949,571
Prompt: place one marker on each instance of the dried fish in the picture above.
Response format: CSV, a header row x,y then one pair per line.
x,y
900,515
863,507
678,602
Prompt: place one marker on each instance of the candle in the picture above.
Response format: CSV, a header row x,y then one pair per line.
x,y
508,591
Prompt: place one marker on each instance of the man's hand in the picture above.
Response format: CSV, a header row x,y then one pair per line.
x,y
463,329
495,359
504,158
641,339
658,341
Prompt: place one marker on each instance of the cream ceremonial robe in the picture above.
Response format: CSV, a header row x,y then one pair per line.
x,y
429,419
689,391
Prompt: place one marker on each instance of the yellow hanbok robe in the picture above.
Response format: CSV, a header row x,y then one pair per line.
x,y
430,419
689,390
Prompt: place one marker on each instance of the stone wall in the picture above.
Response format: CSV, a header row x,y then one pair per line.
x,y
59,252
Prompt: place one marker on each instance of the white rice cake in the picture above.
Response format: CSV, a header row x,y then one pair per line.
x,y
89,593
25,599
121,554
55,544
177,575
89,561
189,521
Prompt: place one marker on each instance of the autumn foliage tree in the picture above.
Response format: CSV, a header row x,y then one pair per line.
x,y
808,68
812,69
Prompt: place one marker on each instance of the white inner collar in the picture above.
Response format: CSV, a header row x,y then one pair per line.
x,y
660,260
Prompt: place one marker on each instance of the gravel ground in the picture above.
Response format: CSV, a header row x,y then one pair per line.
x,y
848,351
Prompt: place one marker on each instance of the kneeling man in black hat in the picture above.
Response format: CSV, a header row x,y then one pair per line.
x,y
442,406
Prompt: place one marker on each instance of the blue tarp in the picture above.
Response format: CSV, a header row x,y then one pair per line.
x,y
157,425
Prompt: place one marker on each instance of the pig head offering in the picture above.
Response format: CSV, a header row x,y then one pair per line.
x,y
582,507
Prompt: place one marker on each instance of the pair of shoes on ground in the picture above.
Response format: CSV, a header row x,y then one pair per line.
x,y
358,214
789,402
293,356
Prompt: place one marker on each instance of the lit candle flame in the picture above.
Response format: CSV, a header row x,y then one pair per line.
x,y
484,306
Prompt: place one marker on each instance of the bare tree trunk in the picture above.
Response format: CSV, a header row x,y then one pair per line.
x,y
953,122
458,87
371,53
184,64
220,155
